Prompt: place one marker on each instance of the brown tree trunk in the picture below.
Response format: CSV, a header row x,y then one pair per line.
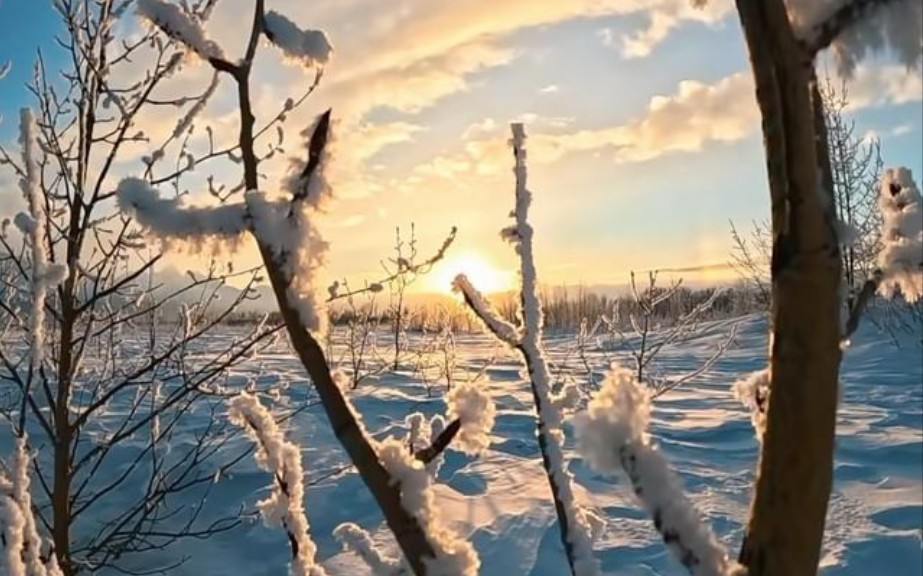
x,y
788,512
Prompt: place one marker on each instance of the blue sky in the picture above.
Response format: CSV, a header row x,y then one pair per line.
x,y
639,159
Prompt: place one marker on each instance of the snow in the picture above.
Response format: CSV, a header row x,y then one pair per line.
x,y
485,311
753,393
613,435
282,459
454,556
170,218
475,409
500,502
180,25
307,47
356,539
901,257
44,275
548,414
186,121
896,27
20,538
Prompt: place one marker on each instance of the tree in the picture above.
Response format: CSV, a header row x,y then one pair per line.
x,y
103,365
796,463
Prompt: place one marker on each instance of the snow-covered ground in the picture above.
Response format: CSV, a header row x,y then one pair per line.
x,y
500,499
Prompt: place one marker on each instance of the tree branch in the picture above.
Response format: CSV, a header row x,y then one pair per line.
x,y
825,33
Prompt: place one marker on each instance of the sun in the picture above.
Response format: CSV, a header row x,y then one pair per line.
x,y
483,275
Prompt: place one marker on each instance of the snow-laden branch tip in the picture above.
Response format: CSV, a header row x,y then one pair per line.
x,y
180,25
475,409
901,258
753,393
169,218
358,540
308,47
289,227
485,312
454,555
185,123
18,529
281,458
612,435
44,275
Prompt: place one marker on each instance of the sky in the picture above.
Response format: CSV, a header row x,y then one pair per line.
x,y
644,134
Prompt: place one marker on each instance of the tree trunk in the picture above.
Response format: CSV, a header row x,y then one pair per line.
x,y
788,511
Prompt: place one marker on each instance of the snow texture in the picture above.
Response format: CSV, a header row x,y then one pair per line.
x,y
476,411
289,229
186,122
356,539
169,218
180,25
308,47
485,312
453,555
753,393
612,436
281,458
896,27
20,538
45,275
901,256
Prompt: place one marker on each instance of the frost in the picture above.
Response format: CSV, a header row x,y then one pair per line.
x,y
753,393
18,528
476,411
281,458
576,524
612,436
453,555
309,47
169,218
354,538
290,228
901,256
44,275
485,312
180,25
185,123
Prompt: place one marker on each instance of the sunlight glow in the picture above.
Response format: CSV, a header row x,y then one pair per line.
x,y
485,276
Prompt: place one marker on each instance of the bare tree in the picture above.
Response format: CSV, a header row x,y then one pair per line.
x,y
645,337
100,363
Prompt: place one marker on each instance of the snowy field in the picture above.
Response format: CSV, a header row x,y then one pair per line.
x,y
500,499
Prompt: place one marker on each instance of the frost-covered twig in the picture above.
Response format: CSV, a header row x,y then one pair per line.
x,y
612,435
18,528
473,408
486,313
180,25
900,260
281,458
453,555
576,532
308,47
169,218
753,393
33,225
355,538
901,256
